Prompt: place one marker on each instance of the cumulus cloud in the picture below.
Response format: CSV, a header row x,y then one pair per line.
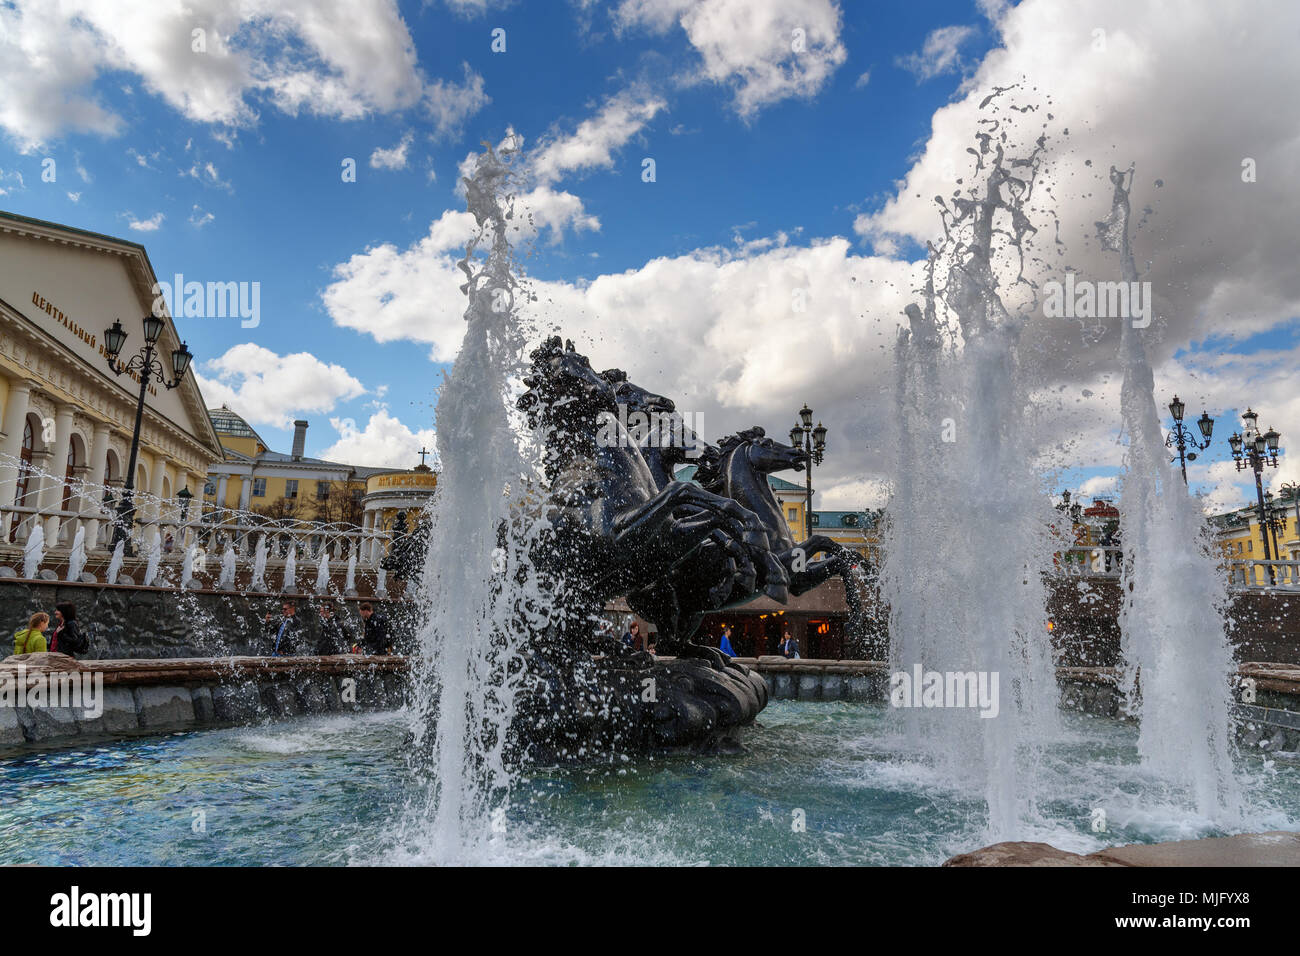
x,y
765,50
152,224
1185,98
394,157
384,442
271,389
213,61
593,144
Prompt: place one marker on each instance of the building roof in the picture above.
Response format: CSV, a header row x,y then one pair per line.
x,y
232,424
847,520
229,423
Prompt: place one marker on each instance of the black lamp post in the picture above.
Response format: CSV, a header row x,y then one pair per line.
x,y
1276,521
813,441
1254,450
1182,436
145,364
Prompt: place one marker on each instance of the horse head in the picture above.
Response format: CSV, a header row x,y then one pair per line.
x,y
762,456
634,396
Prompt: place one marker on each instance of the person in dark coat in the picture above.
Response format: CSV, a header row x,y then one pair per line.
x,y
285,633
335,636
375,638
67,637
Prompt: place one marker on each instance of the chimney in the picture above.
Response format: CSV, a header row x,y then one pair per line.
x,y
299,438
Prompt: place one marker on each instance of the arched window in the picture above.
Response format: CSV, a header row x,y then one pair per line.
x,y
24,475
70,474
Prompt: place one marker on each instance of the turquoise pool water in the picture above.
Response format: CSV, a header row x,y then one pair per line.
x,y
331,791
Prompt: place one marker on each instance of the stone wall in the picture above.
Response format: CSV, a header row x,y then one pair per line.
x,y
125,622
154,697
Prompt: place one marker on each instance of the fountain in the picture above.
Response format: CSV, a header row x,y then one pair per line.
x,y
77,558
34,551
152,556
259,566
187,568
350,582
962,475
1178,661
290,583
115,562
323,572
226,580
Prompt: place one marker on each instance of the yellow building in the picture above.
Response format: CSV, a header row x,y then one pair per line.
x,y
300,490
65,429
1240,539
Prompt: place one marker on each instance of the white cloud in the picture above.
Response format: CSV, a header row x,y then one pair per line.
x,y
394,157
329,57
384,442
271,389
593,143
716,329
766,50
152,224
75,197
941,53
200,217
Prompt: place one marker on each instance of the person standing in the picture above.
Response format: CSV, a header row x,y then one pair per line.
x,y
286,631
724,645
789,647
375,638
335,636
31,639
632,637
67,637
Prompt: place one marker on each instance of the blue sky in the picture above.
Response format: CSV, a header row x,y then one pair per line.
x,y
233,157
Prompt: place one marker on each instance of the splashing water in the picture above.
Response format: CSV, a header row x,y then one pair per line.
x,y
259,566
115,562
34,551
1178,660
152,559
291,569
469,665
350,582
323,573
963,476
77,559
226,580
187,567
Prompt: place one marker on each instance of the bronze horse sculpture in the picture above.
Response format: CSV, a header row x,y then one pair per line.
x,y
618,524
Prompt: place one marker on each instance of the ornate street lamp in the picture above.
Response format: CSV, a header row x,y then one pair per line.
x,y
1254,450
145,364
1182,436
813,442
1276,521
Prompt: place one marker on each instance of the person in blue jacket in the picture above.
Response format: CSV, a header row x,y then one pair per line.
x,y
725,644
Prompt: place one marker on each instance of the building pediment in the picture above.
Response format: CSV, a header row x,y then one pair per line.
x,y
67,285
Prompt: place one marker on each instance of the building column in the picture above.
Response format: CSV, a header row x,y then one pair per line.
x,y
154,511
93,498
245,491
52,488
221,490
11,446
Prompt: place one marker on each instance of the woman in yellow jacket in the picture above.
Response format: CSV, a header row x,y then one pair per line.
x,y
31,639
